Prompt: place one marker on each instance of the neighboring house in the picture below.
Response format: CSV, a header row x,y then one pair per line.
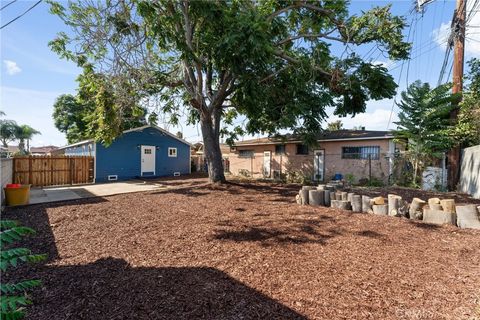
x,y
198,157
360,153
147,151
41,151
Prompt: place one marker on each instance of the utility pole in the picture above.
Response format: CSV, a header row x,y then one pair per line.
x,y
458,57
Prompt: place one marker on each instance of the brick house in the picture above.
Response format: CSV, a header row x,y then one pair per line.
x,y
360,153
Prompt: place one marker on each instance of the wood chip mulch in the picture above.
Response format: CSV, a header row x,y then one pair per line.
x,y
243,251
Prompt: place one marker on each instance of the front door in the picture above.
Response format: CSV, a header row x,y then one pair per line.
x,y
267,155
318,165
148,161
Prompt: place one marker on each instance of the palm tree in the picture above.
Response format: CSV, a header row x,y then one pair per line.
x,y
24,132
8,129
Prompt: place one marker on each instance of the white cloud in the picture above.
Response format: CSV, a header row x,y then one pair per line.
x,y
472,41
12,67
375,120
386,64
441,34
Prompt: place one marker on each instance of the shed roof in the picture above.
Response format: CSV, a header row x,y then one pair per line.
x,y
127,131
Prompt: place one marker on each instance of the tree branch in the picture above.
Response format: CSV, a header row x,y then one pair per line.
x,y
293,60
312,35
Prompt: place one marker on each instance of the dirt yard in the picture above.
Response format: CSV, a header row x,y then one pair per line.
x,y
244,251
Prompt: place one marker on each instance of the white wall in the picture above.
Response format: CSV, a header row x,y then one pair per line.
x,y
470,171
6,173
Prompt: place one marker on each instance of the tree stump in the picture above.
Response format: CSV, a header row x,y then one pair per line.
x,y
304,196
298,199
350,196
433,201
448,205
333,203
403,208
416,209
344,205
366,205
438,216
468,217
394,202
378,200
326,197
315,197
380,209
356,203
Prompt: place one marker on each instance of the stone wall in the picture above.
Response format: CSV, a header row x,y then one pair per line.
x,y
470,172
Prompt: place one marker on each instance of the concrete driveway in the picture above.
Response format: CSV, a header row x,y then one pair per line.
x,y
53,194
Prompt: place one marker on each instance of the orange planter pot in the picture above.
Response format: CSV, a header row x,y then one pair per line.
x,y
17,196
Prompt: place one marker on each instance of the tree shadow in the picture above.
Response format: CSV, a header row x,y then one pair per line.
x,y
423,225
36,217
110,288
287,231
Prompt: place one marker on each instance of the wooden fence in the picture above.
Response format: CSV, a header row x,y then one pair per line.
x,y
55,170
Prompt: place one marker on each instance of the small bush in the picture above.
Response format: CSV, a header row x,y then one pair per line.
x,y
350,178
375,182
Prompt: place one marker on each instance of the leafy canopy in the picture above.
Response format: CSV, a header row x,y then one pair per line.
x,y
270,61
424,118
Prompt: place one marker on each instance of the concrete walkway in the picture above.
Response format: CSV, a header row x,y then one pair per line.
x,y
44,195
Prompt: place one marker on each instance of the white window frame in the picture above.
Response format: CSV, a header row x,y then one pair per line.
x,y
174,155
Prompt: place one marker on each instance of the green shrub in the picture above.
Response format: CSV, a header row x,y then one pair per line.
x,y
375,182
350,178
14,298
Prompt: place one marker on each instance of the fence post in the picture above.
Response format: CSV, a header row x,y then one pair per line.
x,y
30,172
70,169
13,170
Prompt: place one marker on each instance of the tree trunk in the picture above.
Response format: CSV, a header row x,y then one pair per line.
x,y
213,154
21,146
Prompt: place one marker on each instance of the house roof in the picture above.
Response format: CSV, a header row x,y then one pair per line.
x,y
127,131
44,149
338,135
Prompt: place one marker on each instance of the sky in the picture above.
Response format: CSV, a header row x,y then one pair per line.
x,y
32,76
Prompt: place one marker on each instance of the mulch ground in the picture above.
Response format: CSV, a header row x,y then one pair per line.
x,y
243,251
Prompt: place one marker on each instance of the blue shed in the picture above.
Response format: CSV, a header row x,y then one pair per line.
x,y
147,151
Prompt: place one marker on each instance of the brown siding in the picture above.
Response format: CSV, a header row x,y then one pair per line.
x,y
334,163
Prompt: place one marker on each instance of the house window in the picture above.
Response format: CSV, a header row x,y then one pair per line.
x,y
172,152
245,153
147,151
302,149
361,152
280,149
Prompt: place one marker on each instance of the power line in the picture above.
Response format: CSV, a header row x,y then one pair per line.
x,y
8,4
24,13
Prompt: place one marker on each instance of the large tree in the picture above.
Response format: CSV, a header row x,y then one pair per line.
x,y
424,122
69,116
272,62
